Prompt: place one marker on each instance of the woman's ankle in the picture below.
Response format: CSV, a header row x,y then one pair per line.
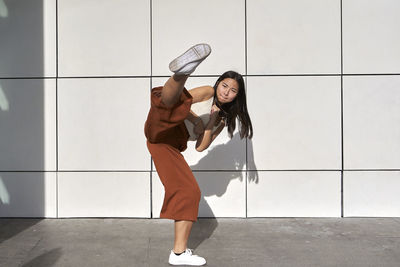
x,y
180,77
179,250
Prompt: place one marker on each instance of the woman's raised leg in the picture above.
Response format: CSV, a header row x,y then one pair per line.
x,y
183,66
172,89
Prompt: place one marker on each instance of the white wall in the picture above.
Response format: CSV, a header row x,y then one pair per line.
x,y
323,88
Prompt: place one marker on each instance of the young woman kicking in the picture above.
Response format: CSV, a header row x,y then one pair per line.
x,y
171,123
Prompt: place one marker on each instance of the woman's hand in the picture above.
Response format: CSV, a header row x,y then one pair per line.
x,y
214,116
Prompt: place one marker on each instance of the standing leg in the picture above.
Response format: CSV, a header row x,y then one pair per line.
x,y
172,89
182,192
182,232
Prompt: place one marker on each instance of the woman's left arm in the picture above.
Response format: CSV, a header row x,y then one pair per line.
x,y
205,139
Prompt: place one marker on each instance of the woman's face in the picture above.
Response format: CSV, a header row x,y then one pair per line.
x,y
227,90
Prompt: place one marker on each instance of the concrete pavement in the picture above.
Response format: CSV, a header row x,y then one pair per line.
x,y
223,242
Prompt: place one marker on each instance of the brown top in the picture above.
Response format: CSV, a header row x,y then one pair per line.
x,y
166,124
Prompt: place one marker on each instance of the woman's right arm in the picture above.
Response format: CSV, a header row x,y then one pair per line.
x,y
198,126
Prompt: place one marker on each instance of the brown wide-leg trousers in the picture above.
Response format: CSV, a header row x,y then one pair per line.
x,y
167,137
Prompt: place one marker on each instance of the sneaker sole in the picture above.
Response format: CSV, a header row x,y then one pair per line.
x,y
196,53
185,263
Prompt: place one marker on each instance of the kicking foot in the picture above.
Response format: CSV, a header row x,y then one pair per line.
x,y
186,63
186,258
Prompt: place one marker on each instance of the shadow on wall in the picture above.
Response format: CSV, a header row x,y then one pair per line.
x,y
227,154
21,113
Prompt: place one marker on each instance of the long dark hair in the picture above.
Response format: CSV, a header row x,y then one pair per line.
x,y
235,109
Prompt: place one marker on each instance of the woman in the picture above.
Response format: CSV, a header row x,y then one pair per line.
x,y
171,123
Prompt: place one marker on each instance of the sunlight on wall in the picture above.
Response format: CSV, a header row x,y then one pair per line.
x,y
3,9
4,196
3,99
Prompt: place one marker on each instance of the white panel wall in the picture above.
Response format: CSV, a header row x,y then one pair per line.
x,y
293,37
371,133
100,123
372,122
371,36
372,193
294,194
104,38
28,194
296,122
323,93
28,124
28,38
179,24
103,194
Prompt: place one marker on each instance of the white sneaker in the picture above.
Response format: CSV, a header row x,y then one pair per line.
x,y
186,258
188,61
